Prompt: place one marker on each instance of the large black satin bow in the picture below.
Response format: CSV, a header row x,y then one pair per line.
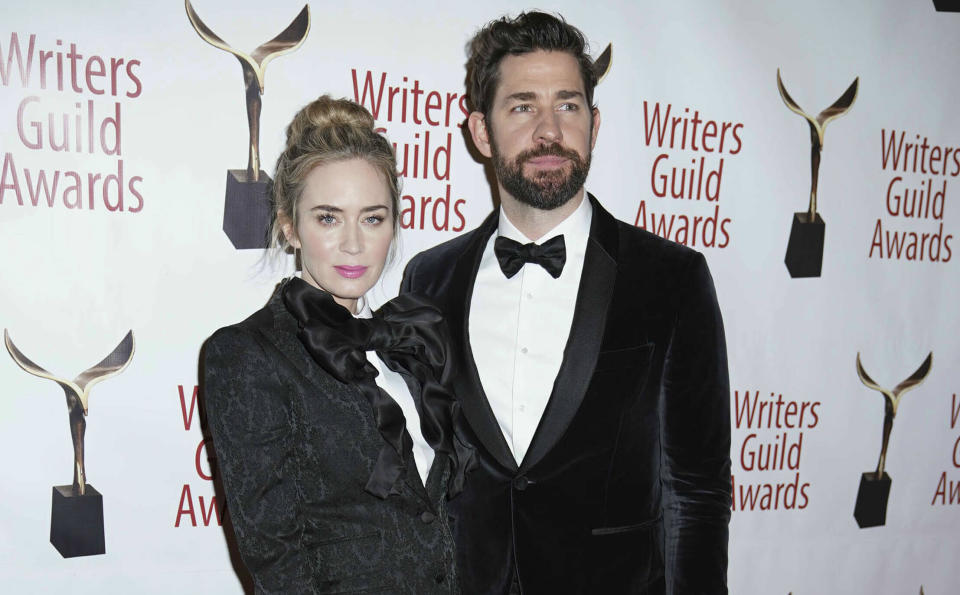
x,y
511,255
409,335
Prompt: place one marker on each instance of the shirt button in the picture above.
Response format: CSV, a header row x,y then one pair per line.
x,y
523,350
529,296
522,408
427,517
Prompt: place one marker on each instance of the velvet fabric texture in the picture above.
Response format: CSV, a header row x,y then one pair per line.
x,y
625,488
296,448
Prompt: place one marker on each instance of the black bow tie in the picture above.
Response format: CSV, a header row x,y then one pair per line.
x,y
409,335
511,255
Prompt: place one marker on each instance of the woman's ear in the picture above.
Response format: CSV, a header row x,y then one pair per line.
x,y
288,230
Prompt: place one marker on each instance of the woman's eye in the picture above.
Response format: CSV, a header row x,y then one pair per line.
x,y
326,219
374,219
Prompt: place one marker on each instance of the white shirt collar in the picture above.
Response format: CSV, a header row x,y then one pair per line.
x,y
363,310
575,228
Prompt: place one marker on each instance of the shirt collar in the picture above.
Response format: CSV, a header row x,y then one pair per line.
x,y
364,310
575,228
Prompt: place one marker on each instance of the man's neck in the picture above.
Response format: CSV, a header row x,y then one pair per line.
x,y
533,222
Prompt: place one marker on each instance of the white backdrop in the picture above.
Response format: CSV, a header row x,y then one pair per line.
x,y
76,279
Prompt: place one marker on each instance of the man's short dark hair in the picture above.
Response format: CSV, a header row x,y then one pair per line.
x,y
528,32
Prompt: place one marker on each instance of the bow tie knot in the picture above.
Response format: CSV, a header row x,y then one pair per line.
x,y
404,325
512,255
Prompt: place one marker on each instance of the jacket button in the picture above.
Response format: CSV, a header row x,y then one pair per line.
x,y
427,517
520,483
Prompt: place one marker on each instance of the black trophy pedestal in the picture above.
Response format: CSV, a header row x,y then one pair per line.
x,y
246,210
871,508
805,248
76,522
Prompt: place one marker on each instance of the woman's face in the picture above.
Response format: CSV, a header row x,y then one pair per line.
x,y
344,229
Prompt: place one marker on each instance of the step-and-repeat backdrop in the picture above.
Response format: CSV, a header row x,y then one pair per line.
x,y
126,241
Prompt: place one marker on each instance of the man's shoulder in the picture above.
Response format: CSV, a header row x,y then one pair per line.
x,y
643,248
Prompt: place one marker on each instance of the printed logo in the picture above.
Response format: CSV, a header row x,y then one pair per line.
x,y
246,212
805,248
871,507
70,128
76,517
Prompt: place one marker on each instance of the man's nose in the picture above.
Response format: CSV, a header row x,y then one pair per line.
x,y
548,128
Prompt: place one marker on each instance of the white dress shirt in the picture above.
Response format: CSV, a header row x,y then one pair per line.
x,y
395,386
519,327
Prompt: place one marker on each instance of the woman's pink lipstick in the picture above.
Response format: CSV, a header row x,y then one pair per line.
x,y
351,272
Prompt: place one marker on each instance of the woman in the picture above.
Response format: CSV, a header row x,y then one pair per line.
x,y
333,481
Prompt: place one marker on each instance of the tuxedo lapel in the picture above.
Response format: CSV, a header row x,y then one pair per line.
x,y
586,334
463,373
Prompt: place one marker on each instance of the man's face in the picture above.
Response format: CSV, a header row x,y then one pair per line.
x,y
539,131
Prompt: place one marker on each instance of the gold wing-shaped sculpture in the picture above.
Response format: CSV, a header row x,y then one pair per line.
x,y
601,66
818,125
78,392
254,66
892,400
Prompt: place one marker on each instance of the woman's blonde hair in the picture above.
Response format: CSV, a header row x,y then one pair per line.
x,y
327,130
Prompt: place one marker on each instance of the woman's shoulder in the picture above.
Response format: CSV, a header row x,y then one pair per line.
x,y
252,330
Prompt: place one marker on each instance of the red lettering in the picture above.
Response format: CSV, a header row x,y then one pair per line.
x,y
202,448
187,417
186,507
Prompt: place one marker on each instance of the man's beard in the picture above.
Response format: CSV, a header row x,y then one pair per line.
x,y
546,190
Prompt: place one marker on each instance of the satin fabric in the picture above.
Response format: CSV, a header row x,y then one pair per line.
x,y
408,334
512,255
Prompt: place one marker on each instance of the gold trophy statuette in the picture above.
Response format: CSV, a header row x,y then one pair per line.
x,y
246,212
76,518
874,492
805,248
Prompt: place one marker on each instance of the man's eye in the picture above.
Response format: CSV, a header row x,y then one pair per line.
x,y
522,108
568,107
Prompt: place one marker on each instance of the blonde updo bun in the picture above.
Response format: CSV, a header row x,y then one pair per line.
x,y
324,131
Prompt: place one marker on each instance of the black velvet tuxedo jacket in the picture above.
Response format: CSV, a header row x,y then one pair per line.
x,y
625,487
295,448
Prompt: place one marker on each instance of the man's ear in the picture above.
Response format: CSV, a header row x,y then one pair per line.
x,y
596,128
478,131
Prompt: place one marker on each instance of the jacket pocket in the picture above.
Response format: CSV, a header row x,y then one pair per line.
x,y
630,358
351,564
625,528
626,558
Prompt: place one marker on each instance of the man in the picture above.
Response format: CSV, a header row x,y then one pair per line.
x,y
588,355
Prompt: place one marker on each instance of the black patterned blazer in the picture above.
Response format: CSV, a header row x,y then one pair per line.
x,y
295,448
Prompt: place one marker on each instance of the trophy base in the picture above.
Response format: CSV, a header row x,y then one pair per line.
x,y
871,508
246,210
76,522
805,248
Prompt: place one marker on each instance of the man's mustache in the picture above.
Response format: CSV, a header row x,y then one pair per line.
x,y
552,150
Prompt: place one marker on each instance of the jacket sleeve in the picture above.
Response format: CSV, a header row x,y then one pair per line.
x,y
695,396
251,419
